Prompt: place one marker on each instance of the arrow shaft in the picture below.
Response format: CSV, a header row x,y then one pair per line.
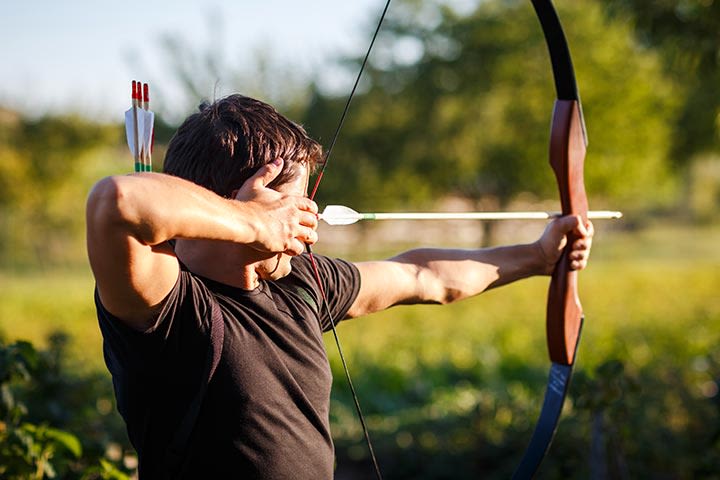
x,y
604,214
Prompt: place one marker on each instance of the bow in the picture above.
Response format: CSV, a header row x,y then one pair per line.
x,y
316,272
568,142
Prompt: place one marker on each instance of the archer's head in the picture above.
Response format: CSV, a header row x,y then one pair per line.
x,y
224,144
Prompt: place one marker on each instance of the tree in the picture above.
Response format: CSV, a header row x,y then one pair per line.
x,y
460,103
40,160
206,72
687,35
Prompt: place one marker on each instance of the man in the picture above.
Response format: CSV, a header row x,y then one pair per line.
x,y
221,235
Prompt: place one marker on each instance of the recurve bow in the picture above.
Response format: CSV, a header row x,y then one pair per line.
x,y
568,142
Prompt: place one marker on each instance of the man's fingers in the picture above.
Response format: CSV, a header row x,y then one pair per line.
x,y
310,236
555,239
579,260
563,225
296,248
297,244
309,219
306,234
574,224
583,243
266,174
582,230
578,265
589,230
579,254
308,205
581,247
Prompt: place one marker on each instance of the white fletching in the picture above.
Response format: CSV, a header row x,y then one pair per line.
x,y
142,125
148,124
339,215
130,131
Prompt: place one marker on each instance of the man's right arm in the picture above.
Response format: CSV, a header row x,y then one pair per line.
x,y
131,218
441,276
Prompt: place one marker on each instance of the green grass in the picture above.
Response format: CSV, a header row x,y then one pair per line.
x,y
34,305
460,386
639,288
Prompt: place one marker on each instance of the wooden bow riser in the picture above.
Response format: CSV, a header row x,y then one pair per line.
x,y
567,155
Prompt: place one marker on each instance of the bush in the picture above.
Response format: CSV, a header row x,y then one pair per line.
x,y
37,400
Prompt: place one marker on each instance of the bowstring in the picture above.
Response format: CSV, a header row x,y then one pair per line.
x,y
316,271
347,103
331,317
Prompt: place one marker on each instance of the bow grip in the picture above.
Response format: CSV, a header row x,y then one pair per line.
x,y
568,143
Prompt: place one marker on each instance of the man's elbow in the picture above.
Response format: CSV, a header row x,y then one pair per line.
x,y
108,203
439,290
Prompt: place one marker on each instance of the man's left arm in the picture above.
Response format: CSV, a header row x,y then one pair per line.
x,y
441,276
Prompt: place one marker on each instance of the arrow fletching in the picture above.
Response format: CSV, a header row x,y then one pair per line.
x,y
148,123
131,130
140,127
340,215
148,129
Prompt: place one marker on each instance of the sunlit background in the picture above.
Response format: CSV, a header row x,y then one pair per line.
x,y
78,56
452,114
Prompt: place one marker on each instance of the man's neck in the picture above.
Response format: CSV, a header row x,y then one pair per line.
x,y
221,261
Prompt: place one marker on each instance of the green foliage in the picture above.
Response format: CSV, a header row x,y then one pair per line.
x,y
453,103
105,471
31,451
686,33
34,306
28,450
453,392
31,383
42,187
460,104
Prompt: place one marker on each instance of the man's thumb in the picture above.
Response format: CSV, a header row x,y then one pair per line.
x,y
570,223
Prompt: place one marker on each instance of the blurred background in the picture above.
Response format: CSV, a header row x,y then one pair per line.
x,y
452,113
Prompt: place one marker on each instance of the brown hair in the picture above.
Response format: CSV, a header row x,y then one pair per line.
x,y
224,144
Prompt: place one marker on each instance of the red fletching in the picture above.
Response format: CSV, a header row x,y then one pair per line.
x,y
146,93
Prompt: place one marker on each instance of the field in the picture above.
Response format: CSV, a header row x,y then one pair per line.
x,y
457,389
647,372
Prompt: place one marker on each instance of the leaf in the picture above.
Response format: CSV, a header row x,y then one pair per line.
x,y
111,472
65,439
